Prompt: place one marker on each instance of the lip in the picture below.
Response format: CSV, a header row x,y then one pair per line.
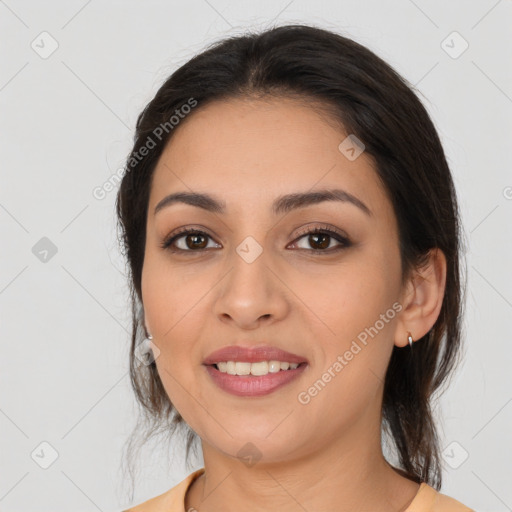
x,y
251,385
252,355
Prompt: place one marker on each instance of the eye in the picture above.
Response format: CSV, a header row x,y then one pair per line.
x,y
194,240
320,239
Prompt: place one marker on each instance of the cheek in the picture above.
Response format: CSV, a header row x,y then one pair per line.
x,y
353,352
351,296
174,307
353,309
171,297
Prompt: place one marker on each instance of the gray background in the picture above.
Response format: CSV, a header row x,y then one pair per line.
x,y
67,121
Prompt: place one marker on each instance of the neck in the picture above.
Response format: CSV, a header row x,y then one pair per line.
x,y
351,474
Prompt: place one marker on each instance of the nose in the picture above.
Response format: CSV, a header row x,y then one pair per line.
x,y
251,293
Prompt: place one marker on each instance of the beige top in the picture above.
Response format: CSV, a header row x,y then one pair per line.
x,y
427,499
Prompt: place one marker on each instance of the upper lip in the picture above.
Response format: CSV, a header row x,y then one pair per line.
x,y
252,355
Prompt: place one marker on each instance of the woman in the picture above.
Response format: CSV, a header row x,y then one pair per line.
x,y
293,237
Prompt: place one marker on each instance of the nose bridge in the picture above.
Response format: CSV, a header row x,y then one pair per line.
x,y
249,238
250,250
249,263
250,290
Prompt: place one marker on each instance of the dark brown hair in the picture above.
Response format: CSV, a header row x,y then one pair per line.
x,y
372,101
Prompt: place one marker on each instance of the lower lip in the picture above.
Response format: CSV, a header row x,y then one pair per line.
x,y
251,385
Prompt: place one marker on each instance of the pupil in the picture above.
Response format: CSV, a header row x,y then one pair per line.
x,y
325,237
194,244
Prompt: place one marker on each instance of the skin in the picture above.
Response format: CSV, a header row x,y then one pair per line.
x,y
325,455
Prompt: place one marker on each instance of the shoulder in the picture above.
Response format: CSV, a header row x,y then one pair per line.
x,y
429,500
447,504
172,500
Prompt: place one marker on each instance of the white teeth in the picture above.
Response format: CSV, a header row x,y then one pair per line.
x,y
274,366
242,368
258,369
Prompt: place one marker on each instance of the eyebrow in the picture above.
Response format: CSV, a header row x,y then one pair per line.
x,y
281,205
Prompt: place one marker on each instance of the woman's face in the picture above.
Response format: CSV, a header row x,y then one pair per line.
x,y
255,279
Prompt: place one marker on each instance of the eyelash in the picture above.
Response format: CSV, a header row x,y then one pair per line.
x,y
168,241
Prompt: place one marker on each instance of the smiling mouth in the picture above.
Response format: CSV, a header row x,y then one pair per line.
x,y
253,379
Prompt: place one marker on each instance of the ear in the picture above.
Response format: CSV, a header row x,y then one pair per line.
x,y
422,299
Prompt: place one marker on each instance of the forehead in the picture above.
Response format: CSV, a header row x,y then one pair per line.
x,y
246,150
